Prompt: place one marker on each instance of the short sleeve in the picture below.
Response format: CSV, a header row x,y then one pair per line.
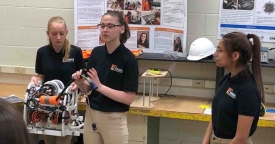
x,y
248,101
38,62
131,74
80,64
91,61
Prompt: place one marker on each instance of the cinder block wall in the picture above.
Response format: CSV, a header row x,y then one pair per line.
x,y
23,29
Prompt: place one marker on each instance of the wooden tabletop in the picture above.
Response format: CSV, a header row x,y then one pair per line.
x,y
179,107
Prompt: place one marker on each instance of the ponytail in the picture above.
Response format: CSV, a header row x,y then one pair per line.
x,y
126,34
256,64
66,49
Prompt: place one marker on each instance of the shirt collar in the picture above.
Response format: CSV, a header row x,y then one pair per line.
x,y
115,52
53,52
242,74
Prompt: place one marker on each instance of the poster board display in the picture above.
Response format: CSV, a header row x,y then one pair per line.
x,y
248,16
156,25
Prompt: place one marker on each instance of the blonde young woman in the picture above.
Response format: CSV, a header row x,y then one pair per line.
x,y
57,60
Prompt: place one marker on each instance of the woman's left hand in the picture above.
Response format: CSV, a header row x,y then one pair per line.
x,y
94,77
74,87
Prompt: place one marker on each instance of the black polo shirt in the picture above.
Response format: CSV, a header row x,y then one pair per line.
x,y
50,64
237,95
118,70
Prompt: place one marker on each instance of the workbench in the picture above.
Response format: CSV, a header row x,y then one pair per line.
x,y
187,108
179,107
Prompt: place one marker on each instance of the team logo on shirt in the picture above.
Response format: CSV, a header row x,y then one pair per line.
x,y
68,60
230,93
115,68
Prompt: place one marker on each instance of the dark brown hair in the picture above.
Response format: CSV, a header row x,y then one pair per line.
x,y
126,35
239,42
13,129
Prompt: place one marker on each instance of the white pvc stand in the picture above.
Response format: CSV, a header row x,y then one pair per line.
x,y
152,77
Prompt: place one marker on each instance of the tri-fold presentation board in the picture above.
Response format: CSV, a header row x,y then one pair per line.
x,y
155,25
248,16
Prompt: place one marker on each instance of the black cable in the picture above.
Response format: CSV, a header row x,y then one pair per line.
x,y
171,78
34,102
89,109
61,94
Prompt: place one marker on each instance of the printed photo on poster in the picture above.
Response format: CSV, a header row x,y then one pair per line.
x,y
115,5
238,4
146,5
132,17
230,4
265,8
143,39
133,5
149,5
178,43
245,4
150,18
150,14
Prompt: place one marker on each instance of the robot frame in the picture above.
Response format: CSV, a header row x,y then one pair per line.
x,y
51,109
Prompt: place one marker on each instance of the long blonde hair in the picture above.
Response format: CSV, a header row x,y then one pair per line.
x,y
67,46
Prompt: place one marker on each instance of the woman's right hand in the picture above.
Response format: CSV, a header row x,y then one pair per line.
x,y
77,75
79,82
77,79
